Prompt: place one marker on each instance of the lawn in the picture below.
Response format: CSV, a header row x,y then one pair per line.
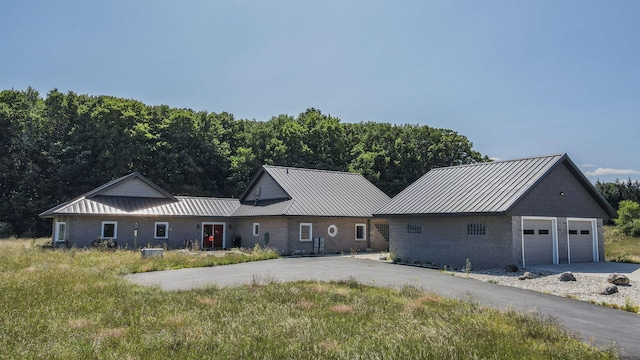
x,y
74,304
620,247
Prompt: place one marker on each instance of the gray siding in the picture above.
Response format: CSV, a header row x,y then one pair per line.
x,y
82,231
444,241
267,189
545,199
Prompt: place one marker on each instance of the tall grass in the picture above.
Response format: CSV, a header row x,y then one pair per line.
x,y
620,247
74,305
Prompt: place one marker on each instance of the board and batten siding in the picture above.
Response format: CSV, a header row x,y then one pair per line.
x,y
444,241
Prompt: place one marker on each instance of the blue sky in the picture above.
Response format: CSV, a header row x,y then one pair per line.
x,y
518,78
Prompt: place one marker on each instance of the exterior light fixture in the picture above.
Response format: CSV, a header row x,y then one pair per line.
x,y
561,193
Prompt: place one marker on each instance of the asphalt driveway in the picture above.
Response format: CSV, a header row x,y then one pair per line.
x,y
592,323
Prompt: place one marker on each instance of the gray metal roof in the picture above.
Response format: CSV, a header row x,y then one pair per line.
x,y
121,205
316,193
482,188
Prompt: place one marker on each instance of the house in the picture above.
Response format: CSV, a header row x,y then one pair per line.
x,y
539,210
306,211
135,212
290,209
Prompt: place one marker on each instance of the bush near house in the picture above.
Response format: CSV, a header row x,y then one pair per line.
x,y
73,304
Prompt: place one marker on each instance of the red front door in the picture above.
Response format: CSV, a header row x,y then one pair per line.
x,y
212,236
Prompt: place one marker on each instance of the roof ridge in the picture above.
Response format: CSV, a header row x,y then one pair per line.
x,y
310,169
501,161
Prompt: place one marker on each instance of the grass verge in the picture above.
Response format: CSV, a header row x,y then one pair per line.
x,y
74,305
620,247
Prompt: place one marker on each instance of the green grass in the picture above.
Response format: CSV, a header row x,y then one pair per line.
x,y
619,247
74,305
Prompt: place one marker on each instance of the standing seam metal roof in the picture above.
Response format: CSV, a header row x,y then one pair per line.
x,y
481,188
317,193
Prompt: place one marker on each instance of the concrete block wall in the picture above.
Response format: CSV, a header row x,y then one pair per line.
x,y
444,241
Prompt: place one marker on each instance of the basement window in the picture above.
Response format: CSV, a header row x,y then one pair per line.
x,y
476,229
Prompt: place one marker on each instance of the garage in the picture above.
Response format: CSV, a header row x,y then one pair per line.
x,y
581,240
538,244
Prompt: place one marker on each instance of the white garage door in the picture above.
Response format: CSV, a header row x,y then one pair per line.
x,y
537,241
580,241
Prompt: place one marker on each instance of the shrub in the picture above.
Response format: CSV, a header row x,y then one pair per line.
x,y
105,244
631,228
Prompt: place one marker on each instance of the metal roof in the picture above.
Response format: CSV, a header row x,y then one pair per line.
x,y
316,193
121,205
483,188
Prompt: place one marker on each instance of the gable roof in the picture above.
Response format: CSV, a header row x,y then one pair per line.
x,y
482,188
310,192
118,197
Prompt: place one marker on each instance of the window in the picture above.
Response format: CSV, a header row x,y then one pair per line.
x,y
306,231
361,232
256,229
61,231
162,230
414,228
383,229
543,232
529,232
332,230
584,232
476,229
573,232
109,230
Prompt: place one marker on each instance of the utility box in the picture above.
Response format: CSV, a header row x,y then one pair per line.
x,y
318,245
152,252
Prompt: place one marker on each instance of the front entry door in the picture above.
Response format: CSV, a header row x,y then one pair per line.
x,y
212,236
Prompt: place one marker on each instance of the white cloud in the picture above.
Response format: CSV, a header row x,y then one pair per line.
x,y
608,172
588,165
494,158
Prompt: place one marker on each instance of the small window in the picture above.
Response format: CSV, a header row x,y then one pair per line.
x,y
361,232
584,232
529,232
383,229
476,229
332,230
162,230
306,231
573,232
414,228
109,230
61,232
543,232
256,229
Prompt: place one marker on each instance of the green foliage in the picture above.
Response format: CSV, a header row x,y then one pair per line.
x,y
615,192
56,148
628,219
74,304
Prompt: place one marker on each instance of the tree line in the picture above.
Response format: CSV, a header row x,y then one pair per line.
x,y
57,147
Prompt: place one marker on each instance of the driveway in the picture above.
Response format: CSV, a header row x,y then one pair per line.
x,y
592,323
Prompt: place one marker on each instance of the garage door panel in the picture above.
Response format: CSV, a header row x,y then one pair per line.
x,y
580,241
538,242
